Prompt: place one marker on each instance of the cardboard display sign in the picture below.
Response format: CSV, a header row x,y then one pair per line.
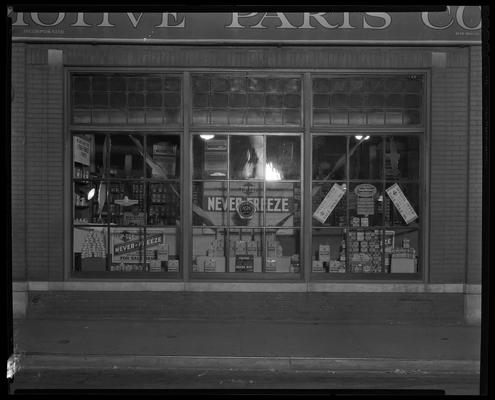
x,y
329,202
82,150
401,203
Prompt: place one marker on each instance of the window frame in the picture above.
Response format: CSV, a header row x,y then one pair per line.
x,y
306,130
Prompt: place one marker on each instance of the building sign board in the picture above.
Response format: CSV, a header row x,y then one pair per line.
x,y
455,24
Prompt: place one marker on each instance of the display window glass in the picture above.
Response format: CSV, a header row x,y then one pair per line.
x,y
126,205
362,218
247,202
237,157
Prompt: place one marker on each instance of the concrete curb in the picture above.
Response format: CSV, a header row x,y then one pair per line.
x,y
380,365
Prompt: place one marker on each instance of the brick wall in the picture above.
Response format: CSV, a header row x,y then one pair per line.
x,y
475,170
39,245
18,140
44,167
448,172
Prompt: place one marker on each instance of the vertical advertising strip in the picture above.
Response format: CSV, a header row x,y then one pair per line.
x,y
401,203
329,202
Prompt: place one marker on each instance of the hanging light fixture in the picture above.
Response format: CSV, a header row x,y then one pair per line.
x,y
206,137
360,137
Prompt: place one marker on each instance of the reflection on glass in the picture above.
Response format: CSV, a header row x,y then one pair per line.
x,y
328,251
210,157
126,156
401,157
366,204
126,203
90,248
163,203
329,157
162,158
210,203
282,204
209,250
283,157
282,250
246,157
90,202
365,157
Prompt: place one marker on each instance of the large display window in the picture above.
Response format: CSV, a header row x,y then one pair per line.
x,y
256,139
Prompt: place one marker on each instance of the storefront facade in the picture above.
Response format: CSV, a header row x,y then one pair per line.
x,y
303,152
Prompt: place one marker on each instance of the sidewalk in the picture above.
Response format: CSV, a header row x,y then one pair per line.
x,y
279,345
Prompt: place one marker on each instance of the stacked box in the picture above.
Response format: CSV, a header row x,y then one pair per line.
x,y
294,263
162,252
324,253
317,266
252,248
355,221
364,221
173,266
240,247
219,247
271,265
283,264
155,266
271,249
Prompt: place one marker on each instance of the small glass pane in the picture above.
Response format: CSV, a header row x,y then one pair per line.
x,y
211,203
292,117
321,85
136,100
274,101
273,117
256,84
100,117
246,204
126,156
201,85
90,248
412,117
376,117
245,249
200,116
236,117
135,84
401,157
328,251
220,84
117,117
126,202
136,117
210,157
127,250
163,203
329,157
357,118
366,157
404,255
237,100
172,116
162,250
82,100
154,116
256,100
81,117
153,84
339,117
81,82
321,117
89,202
219,116
172,99
172,84
154,99
282,253
321,100
283,157
117,83
100,99
219,100
163,161
366,204
365,250
100,82
246,157
209,250
282,204
337,216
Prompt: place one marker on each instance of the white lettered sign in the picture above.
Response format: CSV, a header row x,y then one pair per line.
x,y
401,203
329,202
82,149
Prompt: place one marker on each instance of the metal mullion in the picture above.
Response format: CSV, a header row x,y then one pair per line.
x,y
186,182
227,250
306,197
384,178
145,196
347,224
263,259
